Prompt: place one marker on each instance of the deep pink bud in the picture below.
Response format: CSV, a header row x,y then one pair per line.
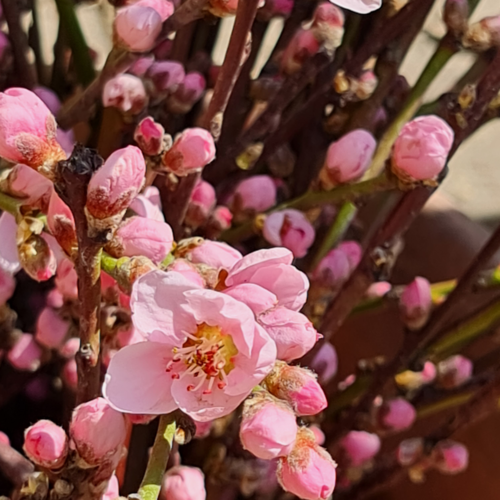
x,y
188,93
141,66
220,220
301,47
46,444
98,431
397,414
348,158
201,203
136,27
268,428
360,446
192,150
28,131
49,98
188,270
291,229
126,93
214,254
164,7
4,439
7,286
378,290
26,354
298,386
51,329
140,236
416,303
309,471
333,269
184,483
450,457
421,149
166,75
325,363
114,186
292,332
149,136
255,194
70,374
454,371
70,347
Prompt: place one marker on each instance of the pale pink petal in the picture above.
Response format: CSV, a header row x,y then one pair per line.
x,y
245,267
9,259
359,6
214,254
258,299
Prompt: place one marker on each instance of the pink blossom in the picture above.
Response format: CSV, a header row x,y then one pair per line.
x,y
422,147
333,269
28,131
46,444
149,136
141,66
49,98
184,483
353,251
291,229
188,270
292,332
9,258
112,489
454,371
70,347
116,184
398,414
256,194
410,451
201,203
378,290
26,354
328,24
268,428
129,336
148,204
192,150
98,431
272,270
204,354
7,286
164,7
309,471
348,158
51,329
126,93
34,188
359,6
4,439
140,236
215,254
301,47
360,446
166,75
416,303
299,387
325,363
137,27
67,279
188,93
450,457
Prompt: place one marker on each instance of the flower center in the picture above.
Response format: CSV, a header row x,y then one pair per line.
x,y
207,354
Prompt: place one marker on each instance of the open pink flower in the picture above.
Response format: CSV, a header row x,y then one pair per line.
x,y
204,354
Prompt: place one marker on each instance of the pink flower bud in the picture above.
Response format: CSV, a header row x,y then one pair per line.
x,y
51,329
333,269
378,290
98,431
28,131
319,435
421,149
309,471
292,332
454,371
223,8
26,354
126,93
410,451
70,374
455,16
184,483
7,286
70,347
301,47
416,303
325,363
149,136
397,414
136,27
114,186
112,489
353,251
359,6
484,34
291,229
37,258
298,386
49,98
4,439
328,24
46,444
166,75
220,220
192,150
200,205
188,93
360,446
164,7
268,428
364,87
450,457
348,158
62,223
255,194
141,66
67,279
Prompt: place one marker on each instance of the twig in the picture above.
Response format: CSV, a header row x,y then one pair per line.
x,y
189,11
15,467
73,178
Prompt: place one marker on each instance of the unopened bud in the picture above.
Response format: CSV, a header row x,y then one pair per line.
x,y
201,203
253,195
188,93
166,76
149,136
410,451
98,431
136,27
26,354
483,35
454,371
325,363
220,220
416,303
298,386
268,428
450,457
126,93
51,329
360,446
46,444
328,25
61,223
301,47
397,414
184,483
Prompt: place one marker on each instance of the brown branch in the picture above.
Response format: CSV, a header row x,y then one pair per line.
x,y
73,177
14,466
189,11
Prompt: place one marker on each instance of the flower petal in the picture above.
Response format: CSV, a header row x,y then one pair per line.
x,y
359,6
9,259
